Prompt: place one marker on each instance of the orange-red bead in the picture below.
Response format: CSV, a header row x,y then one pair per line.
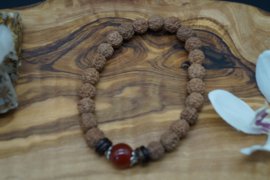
x,y
120,155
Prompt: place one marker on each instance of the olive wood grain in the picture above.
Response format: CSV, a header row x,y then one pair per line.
x,y
141,91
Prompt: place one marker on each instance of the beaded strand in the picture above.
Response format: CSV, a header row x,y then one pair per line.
x,y
121,155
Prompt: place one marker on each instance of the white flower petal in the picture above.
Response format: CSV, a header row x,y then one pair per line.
x,y
263,74
233,110
260,121
266,120
250,150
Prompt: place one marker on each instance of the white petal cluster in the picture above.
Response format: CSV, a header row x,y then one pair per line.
x,y
239,115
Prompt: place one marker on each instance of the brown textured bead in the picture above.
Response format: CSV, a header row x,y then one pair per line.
x,y
196,71
196,56
88,121
155,150
184,32
190,114
87,90
172,24
193,43
86,105
98,62
196,85
93,135
126,31
180,127
169,140
140,25
106,50
114,39
155,23
195,100
90,75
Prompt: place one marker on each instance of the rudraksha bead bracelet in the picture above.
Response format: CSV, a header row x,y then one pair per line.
x,y
122,155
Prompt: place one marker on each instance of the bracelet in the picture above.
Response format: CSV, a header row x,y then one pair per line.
x,y
122,155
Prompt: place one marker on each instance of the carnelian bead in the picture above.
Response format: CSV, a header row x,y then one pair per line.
x,y
120,155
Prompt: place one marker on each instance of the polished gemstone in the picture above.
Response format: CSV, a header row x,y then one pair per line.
x,y
120,155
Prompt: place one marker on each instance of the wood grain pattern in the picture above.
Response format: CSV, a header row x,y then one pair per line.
x,y
141,91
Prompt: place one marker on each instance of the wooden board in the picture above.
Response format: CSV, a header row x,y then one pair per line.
x,y
141,91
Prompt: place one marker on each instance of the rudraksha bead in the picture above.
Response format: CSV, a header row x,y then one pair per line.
x,y
190,114
155,23
98,62
169,140
106,50
90,75
140,25
184,32
114,39
155,150
86,105
126,31
172,24
93,136
196,56
196,71
180,127
88,121
143,155
196,85
102,146
195,100
193,43
87,90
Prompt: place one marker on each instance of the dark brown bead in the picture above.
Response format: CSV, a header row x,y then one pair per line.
x,y
155,23
196,56
88,121
90,75
106,50
184,32
169,140
195,100
140,25
103,145
196,85
126,31
180,127
87,90
98,62
172,24
93,136
86,105
196,71
190,114
114,39
143,155
193,43
155,150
